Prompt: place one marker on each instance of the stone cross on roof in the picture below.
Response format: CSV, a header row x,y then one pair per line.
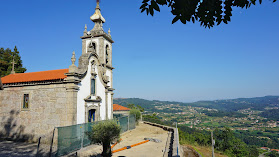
x,y
13,67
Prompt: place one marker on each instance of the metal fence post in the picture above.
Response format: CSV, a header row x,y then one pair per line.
x,y
81,136
177,138
38,147
50,151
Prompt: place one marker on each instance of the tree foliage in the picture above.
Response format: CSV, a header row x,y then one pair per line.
x,y
136,113
132,106
273,154
271,114
6,58
225,139
104,133
206,12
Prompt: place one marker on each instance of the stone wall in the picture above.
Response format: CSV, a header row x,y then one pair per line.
x,y
49,106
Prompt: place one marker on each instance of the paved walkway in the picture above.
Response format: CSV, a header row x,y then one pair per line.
x,y
17,149
149,149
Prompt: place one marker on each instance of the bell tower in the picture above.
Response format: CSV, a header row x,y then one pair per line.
x,y
97,39
95,64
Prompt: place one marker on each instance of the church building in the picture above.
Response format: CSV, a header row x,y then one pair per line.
x,y
36,102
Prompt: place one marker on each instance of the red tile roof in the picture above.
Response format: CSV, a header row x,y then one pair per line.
x,y
275,150
35,76
117,107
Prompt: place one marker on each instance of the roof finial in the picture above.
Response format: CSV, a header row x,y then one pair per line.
x,y
109,32
97,16
73,67
85,30
98,4
73,59
13,67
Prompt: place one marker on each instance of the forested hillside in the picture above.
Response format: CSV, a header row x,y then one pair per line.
x,y
229,105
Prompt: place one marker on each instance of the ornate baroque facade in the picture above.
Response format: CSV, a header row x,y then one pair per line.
x,y
34,103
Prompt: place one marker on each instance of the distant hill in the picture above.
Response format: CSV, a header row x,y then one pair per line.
x,y
257,103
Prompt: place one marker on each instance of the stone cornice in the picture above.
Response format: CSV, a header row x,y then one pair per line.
x,y
21,84
72,78
109,67
111,89
89,99
98,34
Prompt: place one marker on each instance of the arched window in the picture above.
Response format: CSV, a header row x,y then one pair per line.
x,y
93,86
107,54
91,47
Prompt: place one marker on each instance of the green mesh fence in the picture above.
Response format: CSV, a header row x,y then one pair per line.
x,y
72,138
123,122
132,122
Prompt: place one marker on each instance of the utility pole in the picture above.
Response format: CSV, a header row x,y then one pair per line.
x,y
213,143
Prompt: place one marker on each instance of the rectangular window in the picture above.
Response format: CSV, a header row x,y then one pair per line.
x,y
25,101
93,87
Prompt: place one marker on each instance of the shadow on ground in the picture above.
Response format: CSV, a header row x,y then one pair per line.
x,y
19,149
11,130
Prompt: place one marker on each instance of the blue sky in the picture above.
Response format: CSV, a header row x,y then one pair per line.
x,y
153,58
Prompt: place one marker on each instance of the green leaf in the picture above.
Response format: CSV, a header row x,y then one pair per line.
x,y
193,19
151,11
155,5
161,2
175,19
143,6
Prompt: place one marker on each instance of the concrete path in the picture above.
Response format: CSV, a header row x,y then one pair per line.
x,y
149,149
17,149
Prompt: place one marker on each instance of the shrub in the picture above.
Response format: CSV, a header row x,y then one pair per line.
x,y
136,113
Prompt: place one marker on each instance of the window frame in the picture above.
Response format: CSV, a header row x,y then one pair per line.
x,y
23,101
94,86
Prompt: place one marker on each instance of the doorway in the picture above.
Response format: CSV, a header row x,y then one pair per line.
x,y
91,115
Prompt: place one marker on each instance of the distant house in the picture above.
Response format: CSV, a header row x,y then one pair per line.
x,y
120,110
265,148
277,150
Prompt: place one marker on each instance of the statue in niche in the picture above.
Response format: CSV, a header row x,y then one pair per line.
x,y
93,67
107,54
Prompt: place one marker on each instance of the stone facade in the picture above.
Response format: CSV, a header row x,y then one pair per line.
x,y
50,106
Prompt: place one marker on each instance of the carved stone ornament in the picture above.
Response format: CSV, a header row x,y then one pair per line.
x,y
104,77
90,99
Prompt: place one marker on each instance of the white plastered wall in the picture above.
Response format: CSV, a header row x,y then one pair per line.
x,y
84,90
